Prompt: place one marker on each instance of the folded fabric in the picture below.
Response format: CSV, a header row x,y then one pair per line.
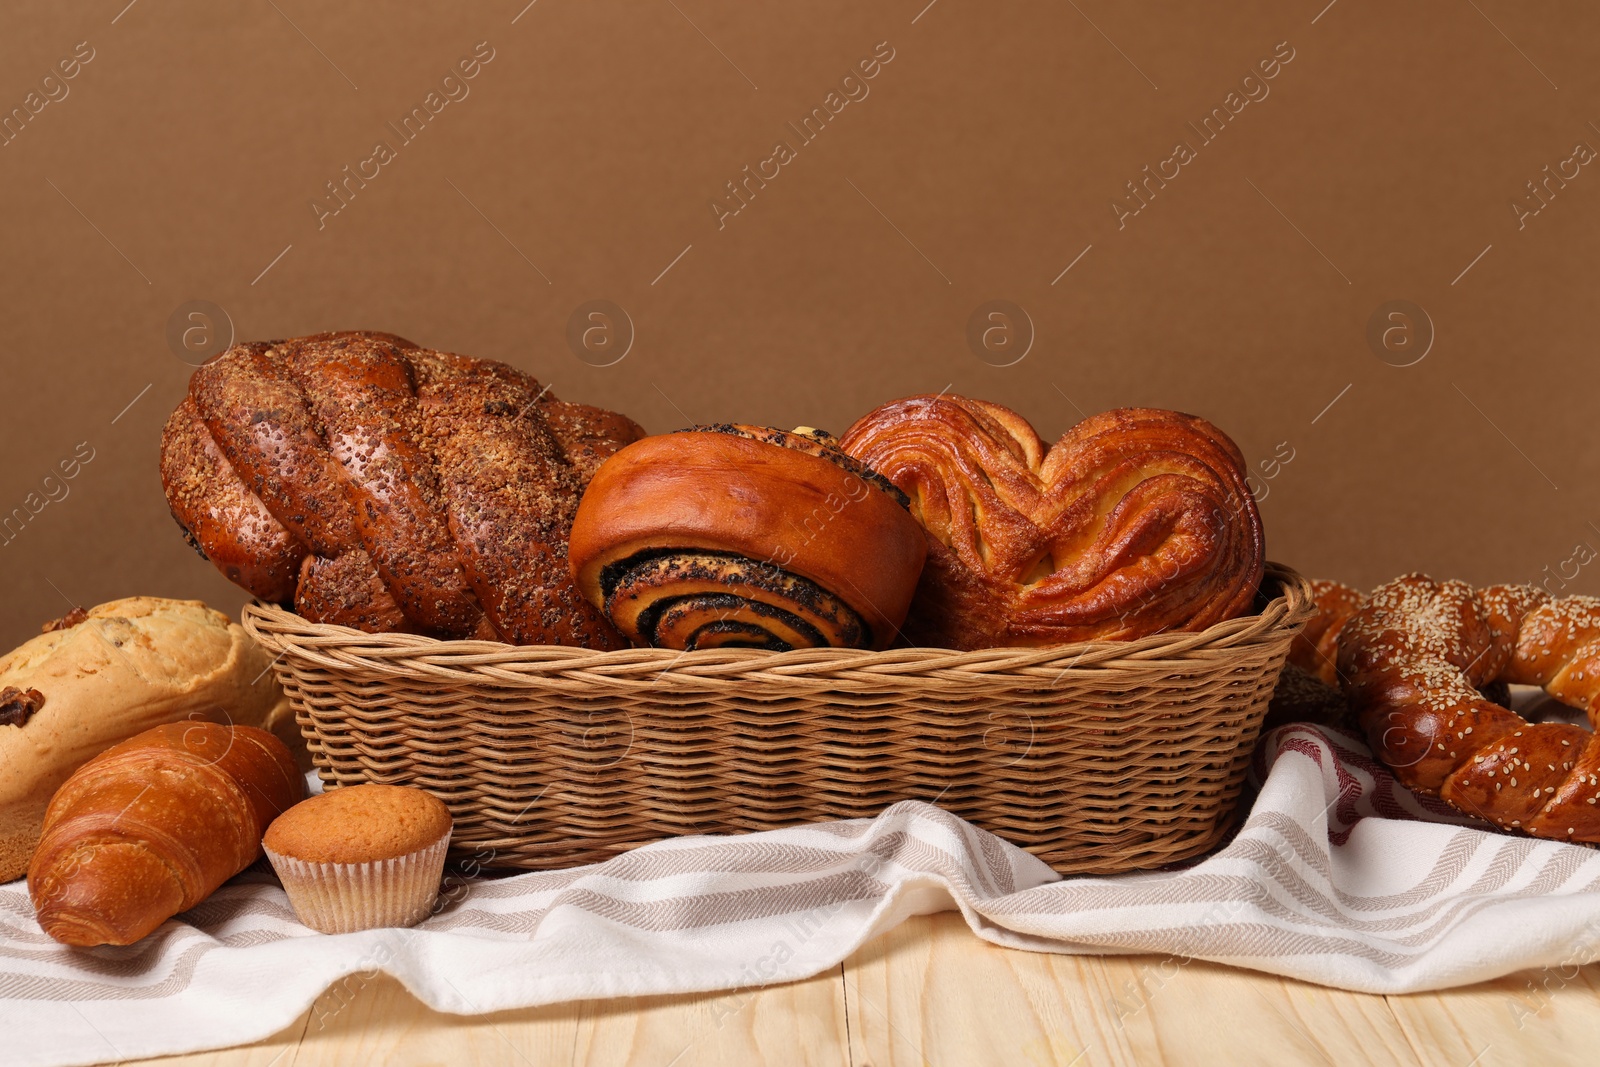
x,y
1339,876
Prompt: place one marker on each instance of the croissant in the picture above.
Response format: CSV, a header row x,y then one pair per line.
x,y
383,486
1136,521
153,826
741,536
1414,659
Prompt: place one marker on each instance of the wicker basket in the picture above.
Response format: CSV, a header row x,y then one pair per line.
x,y
1097,757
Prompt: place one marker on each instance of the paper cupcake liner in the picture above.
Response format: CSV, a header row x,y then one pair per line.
x,y
340,898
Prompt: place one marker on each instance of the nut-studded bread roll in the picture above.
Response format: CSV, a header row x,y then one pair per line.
x,y
101,676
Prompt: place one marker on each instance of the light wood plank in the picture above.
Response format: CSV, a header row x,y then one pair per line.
x,y
802,1023
275,1051
1223,1014
905,1009
1550,1016
929,992
377,1021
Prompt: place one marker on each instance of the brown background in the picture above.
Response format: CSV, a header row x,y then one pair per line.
x,y
984,160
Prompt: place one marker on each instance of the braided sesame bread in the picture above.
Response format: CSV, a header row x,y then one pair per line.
x,y
376,484
1315,649
1414,659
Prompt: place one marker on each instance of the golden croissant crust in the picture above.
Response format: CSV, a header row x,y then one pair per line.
x,y
1136,521
152,826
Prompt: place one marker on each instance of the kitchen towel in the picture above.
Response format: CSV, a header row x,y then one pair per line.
x,y
1338,876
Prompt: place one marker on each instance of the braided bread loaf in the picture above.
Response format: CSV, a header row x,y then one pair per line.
x,y
1308,688
384,486
1414,659
1135,521
1315,649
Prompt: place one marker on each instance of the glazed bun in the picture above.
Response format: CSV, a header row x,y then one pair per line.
x,y
741,536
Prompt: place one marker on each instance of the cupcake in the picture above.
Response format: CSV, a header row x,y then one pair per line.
x,y
361,857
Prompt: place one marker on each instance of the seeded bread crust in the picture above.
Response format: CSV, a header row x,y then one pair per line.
x,y
378,485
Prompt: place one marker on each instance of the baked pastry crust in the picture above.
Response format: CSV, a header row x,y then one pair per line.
x,y
359,824
1414,660
124,667
746,537
1315,649
153,825
1136,521
380,485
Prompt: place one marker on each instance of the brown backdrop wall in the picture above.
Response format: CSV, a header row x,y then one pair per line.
x,y
1380,162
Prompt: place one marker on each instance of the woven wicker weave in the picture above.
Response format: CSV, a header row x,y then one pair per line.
x,y
1097,757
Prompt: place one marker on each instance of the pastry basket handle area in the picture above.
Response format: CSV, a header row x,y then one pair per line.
x,y
1288,605
1098,757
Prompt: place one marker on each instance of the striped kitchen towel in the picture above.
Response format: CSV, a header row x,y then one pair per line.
x,y
1338,876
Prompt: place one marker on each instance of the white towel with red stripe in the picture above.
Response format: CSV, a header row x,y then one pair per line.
x,y
1339,876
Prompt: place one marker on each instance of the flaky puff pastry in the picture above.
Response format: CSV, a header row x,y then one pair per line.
x,y
1137,521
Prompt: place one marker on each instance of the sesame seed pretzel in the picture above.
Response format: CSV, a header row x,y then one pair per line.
x,y
1315,649
1413,660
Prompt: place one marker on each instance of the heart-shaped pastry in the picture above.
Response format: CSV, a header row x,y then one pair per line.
x,y
1137,521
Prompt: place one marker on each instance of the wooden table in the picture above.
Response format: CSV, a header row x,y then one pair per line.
x,y
930,992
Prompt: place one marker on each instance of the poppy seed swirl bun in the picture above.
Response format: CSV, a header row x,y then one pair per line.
x,y
746,537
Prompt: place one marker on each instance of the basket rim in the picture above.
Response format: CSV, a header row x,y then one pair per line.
x,y
343,648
